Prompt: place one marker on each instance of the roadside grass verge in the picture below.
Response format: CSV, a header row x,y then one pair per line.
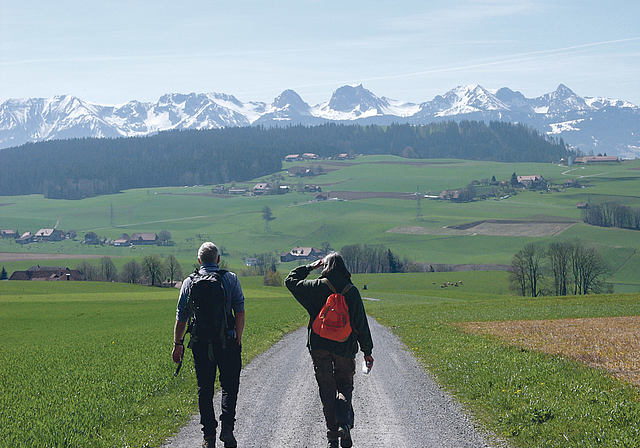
x,y
89,365
530,398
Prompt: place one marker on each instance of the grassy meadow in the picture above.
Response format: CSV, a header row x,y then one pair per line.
x,y
88,364
192,214
526,397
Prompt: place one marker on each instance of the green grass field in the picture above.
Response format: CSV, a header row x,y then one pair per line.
x,y
528,398
88,364
192,215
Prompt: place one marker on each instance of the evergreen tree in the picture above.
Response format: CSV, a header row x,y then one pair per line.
x,y
3,274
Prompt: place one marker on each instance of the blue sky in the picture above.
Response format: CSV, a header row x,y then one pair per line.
x,y
110,52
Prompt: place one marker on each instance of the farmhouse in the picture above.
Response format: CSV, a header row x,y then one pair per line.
x,y
261,188
123,240
597,159
251,261
47,273
26,238
302,253
144,239
312,189
43,235
300,171
10,234
531,181
292,158
310,156
91,238
237,190
450,195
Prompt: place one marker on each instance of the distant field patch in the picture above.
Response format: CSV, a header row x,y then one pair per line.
x,y
356,195
491,228
610,343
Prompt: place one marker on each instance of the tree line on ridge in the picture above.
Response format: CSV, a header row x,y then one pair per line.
x,y
79,168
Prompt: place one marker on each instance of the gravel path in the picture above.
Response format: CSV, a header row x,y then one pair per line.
x,y
397,405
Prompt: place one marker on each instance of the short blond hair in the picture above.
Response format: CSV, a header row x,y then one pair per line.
x,y
208,253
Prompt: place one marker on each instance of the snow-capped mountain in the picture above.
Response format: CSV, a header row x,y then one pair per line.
x,y
590,123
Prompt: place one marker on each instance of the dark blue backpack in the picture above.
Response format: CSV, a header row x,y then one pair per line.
x,y
209,308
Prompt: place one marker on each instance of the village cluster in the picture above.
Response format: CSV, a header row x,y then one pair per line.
x,y
53,235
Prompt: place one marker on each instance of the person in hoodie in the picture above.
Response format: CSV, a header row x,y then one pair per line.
x,y
333,362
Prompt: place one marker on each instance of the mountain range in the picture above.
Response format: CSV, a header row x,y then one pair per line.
x,y
595,124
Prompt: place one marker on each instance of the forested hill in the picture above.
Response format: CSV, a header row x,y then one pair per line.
x,y
73,169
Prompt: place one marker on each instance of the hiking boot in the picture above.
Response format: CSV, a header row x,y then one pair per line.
x,y
345,436
227,437
332,443
209,442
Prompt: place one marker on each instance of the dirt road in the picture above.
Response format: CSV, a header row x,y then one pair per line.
x,y
397,405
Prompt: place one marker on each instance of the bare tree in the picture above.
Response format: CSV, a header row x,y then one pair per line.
x,y
88,271
172,269
367,259
589,270
559,256
517,277
131,272
526,271
108,271
152,265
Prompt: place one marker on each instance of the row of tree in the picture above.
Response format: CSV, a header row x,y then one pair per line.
x,y
561,268
370,259
612,214
74,169
151,271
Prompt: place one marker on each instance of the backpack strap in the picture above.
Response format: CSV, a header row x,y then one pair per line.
x,y
333,289
328,283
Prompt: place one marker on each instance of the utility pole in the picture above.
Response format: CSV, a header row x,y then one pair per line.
x,y
419,204
111,220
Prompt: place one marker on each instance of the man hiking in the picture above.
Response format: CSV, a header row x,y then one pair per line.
x,y
333,360
213,300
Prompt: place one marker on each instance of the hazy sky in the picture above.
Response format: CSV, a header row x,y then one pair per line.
x,y
110,52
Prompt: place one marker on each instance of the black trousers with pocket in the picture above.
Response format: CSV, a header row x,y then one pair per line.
x,y
334,375
229,362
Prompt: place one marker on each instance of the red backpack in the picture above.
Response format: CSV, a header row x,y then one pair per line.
x,y
333,319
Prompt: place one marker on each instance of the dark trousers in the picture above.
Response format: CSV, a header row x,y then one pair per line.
x,y
334,375
228,361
